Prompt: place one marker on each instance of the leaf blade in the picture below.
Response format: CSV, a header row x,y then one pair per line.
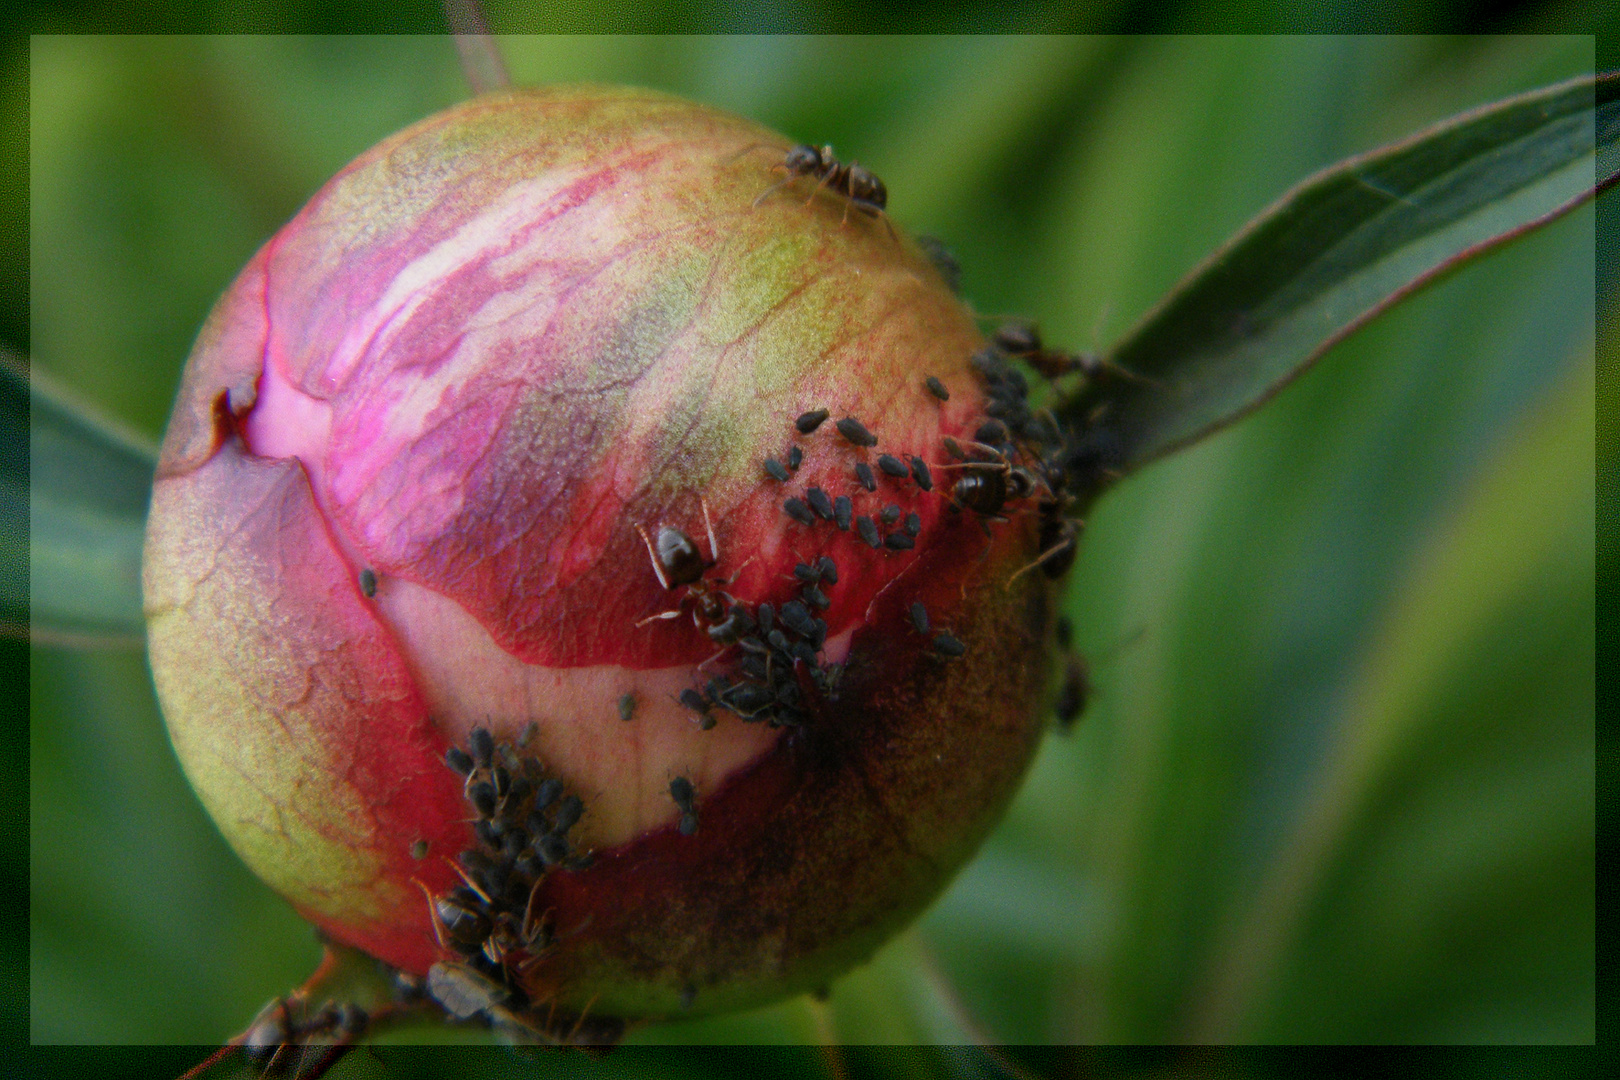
x,y
1340,248
73,512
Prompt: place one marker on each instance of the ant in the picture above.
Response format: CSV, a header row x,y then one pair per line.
x,y
1023,341
859,186
677,561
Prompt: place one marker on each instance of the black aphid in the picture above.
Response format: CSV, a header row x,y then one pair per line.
x,y
482,796
855,431
828,568
803,650
482,745
868,530
694,700
919,616
766,615
776,469
546,796
796,617
920,473
820,503
551,848
795,458
459,760
569,812
913,525
937,388
890,515
948,645
991,433
863,473
526,736
843,512
778,640
815,597
680,789
795,509
954,448
368,583
806,573
808,422
899,542
892,465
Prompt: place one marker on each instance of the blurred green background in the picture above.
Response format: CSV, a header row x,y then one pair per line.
x,y
1337,781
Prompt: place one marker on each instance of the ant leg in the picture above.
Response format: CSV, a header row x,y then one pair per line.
x,y
653,556
708,523
673,613
433,914
762,195
1051,552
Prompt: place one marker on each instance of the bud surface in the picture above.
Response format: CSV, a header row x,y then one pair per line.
x,y
490,440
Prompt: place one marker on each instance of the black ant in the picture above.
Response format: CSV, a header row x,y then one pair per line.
x,y
1023,340
677,561
859,186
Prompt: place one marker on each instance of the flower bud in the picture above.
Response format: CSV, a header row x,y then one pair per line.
x,y
572,573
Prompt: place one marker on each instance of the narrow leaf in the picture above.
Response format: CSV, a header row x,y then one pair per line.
x,y
1337,250
73,511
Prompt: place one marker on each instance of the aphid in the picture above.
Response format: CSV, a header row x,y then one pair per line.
x,y
843,512
798,511
954,448
482,745
815,597
462,991
991,433
828,568
948,645
795,458
808,422
806,652
544,797
368,583
890,515
681,790
899,542
1076,690
806,573
775,469
482,796
893,466
913,525
920,473
943,261
459,760
694,701
868,530
530,730
937,388
796,617
551,848
863,473
855,431
419,849
766,614
919,617
820,503
569,811
688,824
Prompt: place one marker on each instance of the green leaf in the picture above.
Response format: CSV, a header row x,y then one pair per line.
x,y
74,515
1341,247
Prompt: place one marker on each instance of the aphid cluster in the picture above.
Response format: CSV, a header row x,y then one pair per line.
x,y
490,922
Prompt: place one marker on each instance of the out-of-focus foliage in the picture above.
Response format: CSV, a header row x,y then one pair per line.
x,y
1337,782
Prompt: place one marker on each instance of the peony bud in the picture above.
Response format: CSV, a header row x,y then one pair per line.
x,y
582,582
